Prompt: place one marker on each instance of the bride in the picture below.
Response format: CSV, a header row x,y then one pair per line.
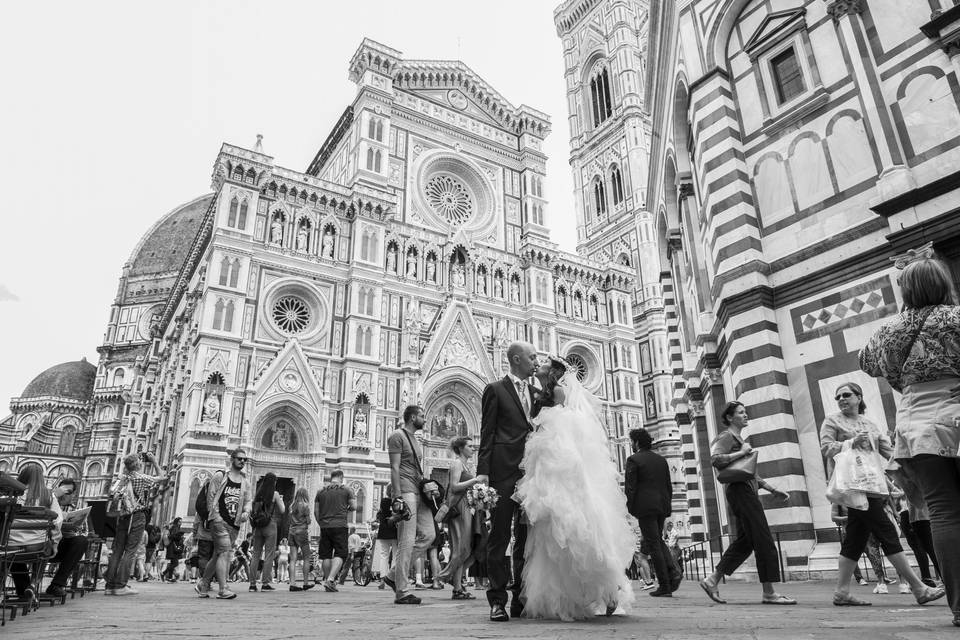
x,y
579,542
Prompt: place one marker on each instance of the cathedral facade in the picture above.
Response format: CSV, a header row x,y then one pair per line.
x,y
296,313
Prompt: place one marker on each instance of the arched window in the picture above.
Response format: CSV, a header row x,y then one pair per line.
x,y
616,182
237,173
250,176
600,97
376,161
379,135
368,341
370,300
242,220
117,377
67,439
599,196
234,272
369,159
358,341
232,218
358,515
92,481
224,271
218,314
228,317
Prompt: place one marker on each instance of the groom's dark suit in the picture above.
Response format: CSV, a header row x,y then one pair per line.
x,y
503,435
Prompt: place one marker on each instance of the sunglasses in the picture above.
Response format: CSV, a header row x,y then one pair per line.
x,y
240,459
843,396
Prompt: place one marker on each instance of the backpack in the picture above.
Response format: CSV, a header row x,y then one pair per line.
x,y
200,504
260,515
177,545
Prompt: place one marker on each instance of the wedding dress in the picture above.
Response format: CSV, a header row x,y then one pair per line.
x,y
579,541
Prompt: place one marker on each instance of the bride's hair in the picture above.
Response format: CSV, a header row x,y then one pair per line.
x,y
557,370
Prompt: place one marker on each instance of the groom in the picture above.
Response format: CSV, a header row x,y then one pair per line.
x,y
504,424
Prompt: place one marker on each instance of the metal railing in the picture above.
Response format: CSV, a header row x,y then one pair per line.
x,y
699,559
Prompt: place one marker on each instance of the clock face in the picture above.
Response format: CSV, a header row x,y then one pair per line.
x,y
290,381
457,99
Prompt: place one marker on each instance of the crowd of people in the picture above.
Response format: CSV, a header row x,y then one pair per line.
x,y
556,532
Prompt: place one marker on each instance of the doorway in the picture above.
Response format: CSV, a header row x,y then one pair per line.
x,y
286,487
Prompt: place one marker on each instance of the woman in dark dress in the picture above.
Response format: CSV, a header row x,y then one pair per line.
x,y
753,532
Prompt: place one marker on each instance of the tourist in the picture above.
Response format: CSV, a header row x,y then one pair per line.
x,y
73,545
36,495
918,353
462,476
386,540
283,561
753,532
229,502
354,546
415,532
299,539
135,487
330,508
649,490
176,548
267,506
154,537
851,425
139,571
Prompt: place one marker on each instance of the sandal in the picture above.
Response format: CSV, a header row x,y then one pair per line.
x,y
712,592
847,600
778,598
929,595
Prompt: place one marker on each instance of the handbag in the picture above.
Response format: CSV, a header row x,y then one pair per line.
x,y
428,487
446,513
740,470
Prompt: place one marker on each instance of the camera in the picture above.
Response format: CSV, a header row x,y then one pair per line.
x,y
399,511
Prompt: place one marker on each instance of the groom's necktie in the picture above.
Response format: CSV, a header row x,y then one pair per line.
x,y
524,398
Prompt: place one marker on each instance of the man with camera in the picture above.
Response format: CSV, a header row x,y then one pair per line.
x,y
415,529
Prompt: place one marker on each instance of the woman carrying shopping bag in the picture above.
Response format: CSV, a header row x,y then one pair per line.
x,y
857,442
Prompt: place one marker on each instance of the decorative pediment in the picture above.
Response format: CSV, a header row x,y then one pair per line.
x,y
462,88
457,343
774,25
288,374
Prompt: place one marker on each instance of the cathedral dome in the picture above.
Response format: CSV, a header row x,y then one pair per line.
x,y
165,246
72,380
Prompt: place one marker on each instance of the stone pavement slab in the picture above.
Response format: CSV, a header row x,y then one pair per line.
x,y
174,611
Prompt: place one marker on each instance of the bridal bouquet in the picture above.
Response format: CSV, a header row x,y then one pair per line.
x,y
482,497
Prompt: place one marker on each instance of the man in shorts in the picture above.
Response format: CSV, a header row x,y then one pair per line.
x,y
230,500
330,508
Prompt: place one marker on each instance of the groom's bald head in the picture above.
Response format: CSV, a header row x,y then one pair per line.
x,y
522,357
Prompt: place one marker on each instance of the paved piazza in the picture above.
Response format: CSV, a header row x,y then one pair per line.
x,y
164,610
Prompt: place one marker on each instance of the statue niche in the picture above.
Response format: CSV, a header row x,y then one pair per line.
x,y
280,436
449,424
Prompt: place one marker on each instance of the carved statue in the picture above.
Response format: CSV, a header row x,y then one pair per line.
x,y
276,232
411,264
482,282
302,238
514,291
578,307
326,247
392,259
360,426
594,310
211,408
498,286
431,269
459,277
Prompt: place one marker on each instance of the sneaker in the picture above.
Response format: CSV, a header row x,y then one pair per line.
x,y
226,594
904,588
862,582
266,587
253,588
419,585
930,582
109,592
881,588
126,591
648,585
202,589
56,590
893,580
408,599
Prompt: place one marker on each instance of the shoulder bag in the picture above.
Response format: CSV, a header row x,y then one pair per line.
x,y
743,469
429,489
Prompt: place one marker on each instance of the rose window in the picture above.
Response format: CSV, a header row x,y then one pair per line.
x,y
449,198
578,364
291,314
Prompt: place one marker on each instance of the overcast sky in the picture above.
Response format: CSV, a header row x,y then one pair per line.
x,y
113,113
